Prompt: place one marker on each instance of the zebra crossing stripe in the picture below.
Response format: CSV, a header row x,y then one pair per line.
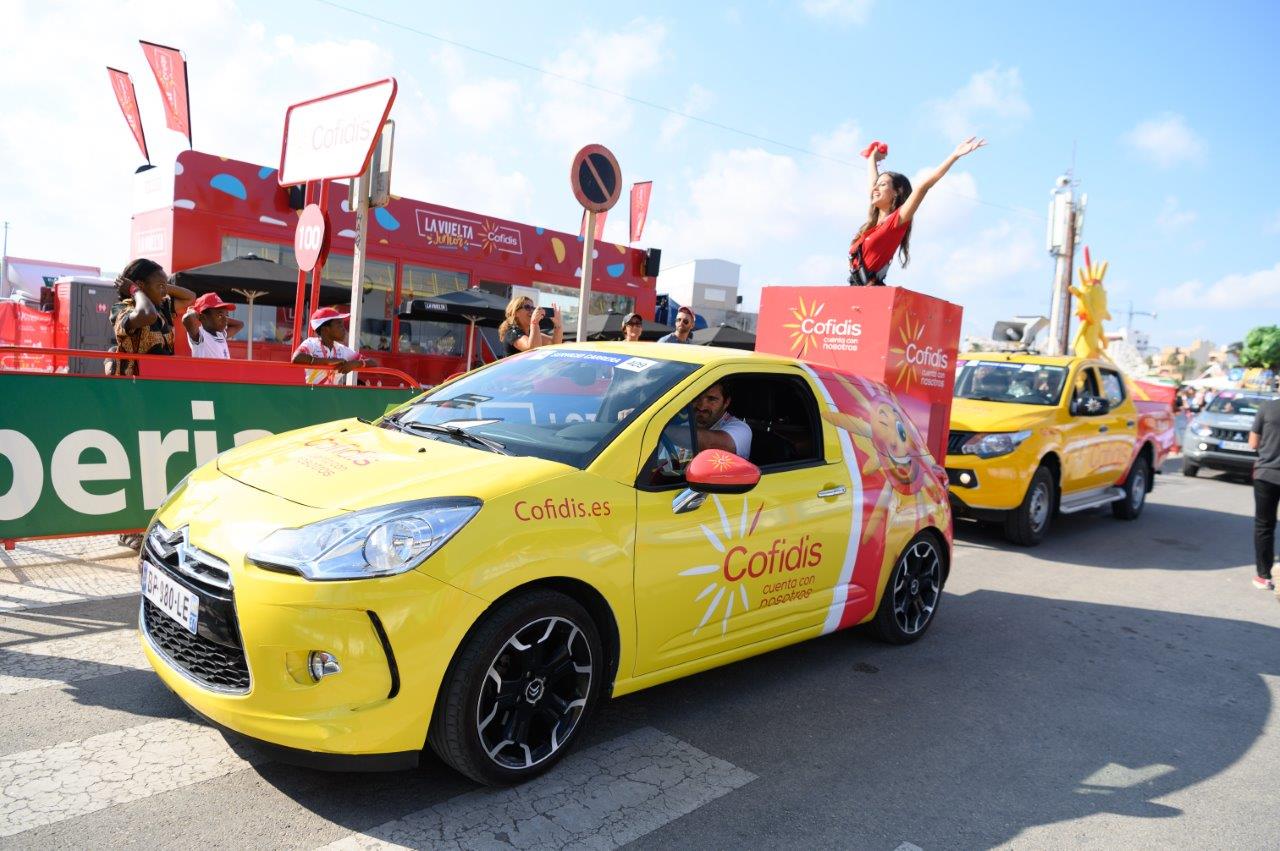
x,y
57,661
602,797
49,785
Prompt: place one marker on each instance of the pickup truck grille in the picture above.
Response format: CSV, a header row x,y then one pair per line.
x,y
957,439
1235,434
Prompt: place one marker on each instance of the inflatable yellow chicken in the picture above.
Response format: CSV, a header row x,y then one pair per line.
x,y
1091,301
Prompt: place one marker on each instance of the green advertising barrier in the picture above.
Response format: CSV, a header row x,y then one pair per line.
x,y
80,455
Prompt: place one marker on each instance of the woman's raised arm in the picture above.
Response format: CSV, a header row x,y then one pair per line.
x,y
908,209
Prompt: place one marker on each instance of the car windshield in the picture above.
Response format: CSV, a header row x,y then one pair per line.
x,y
1245,404
555,403
1019,383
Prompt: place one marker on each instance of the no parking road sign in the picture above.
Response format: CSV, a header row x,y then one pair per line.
x,y
596,178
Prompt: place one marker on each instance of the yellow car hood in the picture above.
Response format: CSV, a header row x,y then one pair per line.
x,y
350,465
973,415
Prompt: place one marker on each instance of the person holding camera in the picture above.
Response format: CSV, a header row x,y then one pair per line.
x,y
522,330
893,205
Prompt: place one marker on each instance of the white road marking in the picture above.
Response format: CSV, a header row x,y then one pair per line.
x,y
603,797
23,588
56,661
49,785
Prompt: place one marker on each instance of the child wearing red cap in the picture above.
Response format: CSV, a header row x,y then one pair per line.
x,y
209,325
330,326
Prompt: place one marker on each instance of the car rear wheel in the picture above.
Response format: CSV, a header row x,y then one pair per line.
x,y
1189,469
912,595
520,689
1027,524
1135,491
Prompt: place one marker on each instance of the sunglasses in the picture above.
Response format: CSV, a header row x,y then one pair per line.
x,y
683,318
525,307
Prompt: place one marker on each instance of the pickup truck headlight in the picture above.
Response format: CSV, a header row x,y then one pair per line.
x,y
379,541
1200,429
994,444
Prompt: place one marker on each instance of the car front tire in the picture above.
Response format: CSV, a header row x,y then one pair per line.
x,y
1027,524
1189,469
520,689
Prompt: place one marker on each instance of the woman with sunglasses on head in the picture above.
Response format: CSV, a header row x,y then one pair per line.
x,y
521,331
893,206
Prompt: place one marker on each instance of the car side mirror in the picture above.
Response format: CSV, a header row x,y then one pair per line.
x,y
717,471
1090,406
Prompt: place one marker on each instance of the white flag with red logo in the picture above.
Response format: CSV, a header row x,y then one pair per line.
x,y
170,68
639,207
122,85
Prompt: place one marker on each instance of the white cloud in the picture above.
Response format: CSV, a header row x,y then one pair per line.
x,y
992,98
848,11
1254,290
484,105
1273,226
1172,217
1167,141
570,114
472,181
695,102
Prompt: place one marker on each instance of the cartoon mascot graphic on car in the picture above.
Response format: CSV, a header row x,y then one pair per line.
x,y
894,452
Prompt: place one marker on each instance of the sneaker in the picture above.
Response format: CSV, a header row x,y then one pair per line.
x,y
1263,584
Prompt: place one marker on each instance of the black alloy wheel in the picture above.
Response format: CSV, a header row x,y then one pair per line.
x,y
520,689
913,593
534,693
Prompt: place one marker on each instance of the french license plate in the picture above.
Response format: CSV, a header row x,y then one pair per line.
x,y
170,597
1235,446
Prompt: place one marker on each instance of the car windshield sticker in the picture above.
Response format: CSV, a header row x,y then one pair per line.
x,y
636,364
1030,367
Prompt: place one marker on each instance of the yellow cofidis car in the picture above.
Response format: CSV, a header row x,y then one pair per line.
x,y
1035,435
476,570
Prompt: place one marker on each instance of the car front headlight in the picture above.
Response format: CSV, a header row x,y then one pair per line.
x,y
994,444
1200,429
380,541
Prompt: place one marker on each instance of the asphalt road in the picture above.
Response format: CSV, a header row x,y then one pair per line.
x,y
1113,687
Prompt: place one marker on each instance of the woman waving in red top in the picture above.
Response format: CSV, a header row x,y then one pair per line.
x,y
893,205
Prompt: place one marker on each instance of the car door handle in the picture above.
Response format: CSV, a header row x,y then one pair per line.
x,y
1104,428
1129,423
838,490
687,500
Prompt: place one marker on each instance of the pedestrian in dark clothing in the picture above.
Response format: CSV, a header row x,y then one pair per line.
x,y
1265,438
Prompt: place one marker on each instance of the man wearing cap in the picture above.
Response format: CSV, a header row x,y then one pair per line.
x,y
632,327
684,327
325,348
208,325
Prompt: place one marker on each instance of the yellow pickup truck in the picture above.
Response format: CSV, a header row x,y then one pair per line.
x,y
1033,436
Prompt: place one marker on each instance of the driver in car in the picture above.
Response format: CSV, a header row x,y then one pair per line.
x,y
717,428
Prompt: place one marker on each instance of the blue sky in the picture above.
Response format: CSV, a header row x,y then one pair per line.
x,y
1171,109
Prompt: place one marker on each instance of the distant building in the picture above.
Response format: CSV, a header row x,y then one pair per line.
x,y
710,288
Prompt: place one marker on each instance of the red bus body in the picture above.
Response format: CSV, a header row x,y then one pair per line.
x,y
217,209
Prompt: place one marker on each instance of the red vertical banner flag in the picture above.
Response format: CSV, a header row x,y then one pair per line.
x,y
600,220
170,69
639,207
122,85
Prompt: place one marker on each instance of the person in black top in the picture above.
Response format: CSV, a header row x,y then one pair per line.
x,y
1265,438
522,331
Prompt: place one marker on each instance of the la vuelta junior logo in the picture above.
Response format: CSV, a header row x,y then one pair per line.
x,y
917,362
777,569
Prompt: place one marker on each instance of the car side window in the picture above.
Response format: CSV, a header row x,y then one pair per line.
x,y
1112,387
779,412
1086,385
